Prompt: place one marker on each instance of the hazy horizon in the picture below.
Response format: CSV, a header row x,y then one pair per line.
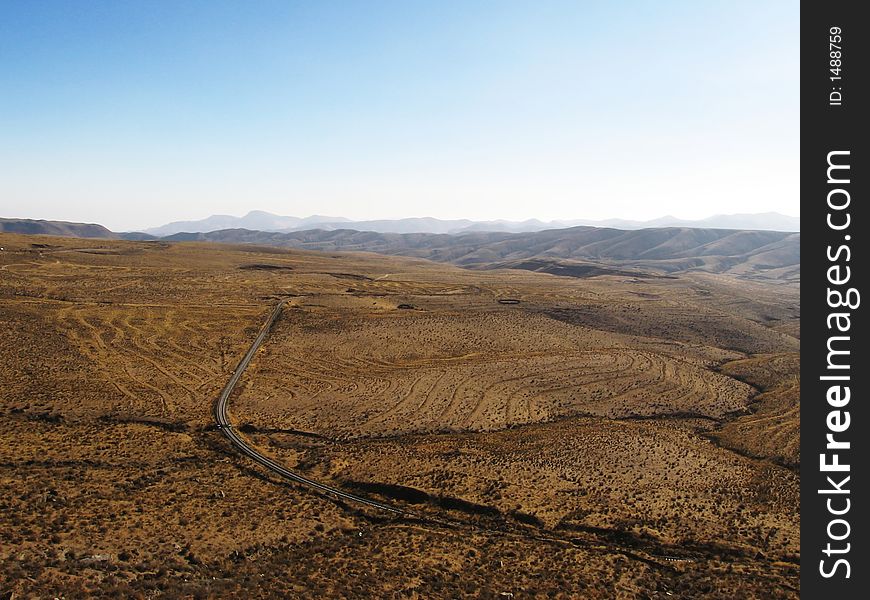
x,y
137,115
326,218
243,213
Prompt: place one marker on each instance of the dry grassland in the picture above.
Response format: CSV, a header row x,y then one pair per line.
x,y
606,437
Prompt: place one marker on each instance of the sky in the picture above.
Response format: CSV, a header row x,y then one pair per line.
x,y
133,114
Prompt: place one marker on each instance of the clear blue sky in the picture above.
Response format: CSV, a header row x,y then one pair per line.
x,y
136,113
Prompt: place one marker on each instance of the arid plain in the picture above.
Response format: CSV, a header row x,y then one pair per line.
x,y
610,436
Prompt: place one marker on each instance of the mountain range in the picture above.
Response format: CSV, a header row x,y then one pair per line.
x,y
259,220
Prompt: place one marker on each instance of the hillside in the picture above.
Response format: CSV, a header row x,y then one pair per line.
x,y
576,251
64,228
751,254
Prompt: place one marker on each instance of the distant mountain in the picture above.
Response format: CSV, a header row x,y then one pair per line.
x,y
770,221
63,228
256,219
510,226
433,225
262,221
409,225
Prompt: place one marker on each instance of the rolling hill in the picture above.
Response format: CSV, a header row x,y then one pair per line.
x,y
63,228
751,254
581,251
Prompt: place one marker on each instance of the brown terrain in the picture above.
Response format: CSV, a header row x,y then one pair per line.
x,y
630,432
